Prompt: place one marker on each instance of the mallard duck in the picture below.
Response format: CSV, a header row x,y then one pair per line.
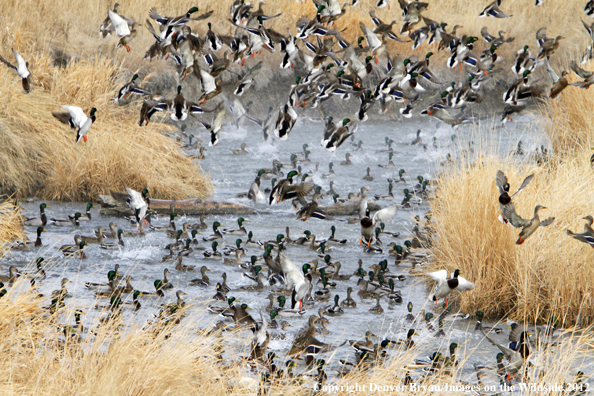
x,y
445,286
187,250
493,10
106,28
240,315
150,107
98,238
62,292
217,123
338,136
312,209
38,221
529,226
76,118
113,231
547,45
285,122
248,79
588,76
255,194
169,227
138,202
588,235
215,254
176,234
202,225
367,223
180,107
516,358
559,83
285,189
29,245
260,283
117,245
182,267
76,252
22,69
180,303
479,324
12,276
304,337
217,234
129,88
110,285
204,280
377,309
125,29
239,232
504,197
336,309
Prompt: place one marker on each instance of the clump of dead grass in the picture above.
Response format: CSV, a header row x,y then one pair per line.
x,y
11,226
571,129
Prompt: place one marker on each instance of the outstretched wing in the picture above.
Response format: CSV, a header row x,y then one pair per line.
x,y
524,184
121,26
384,215
509,212
77,115
464,284
547,222
438,276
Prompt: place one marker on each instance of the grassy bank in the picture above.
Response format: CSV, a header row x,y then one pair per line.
x,y
11,227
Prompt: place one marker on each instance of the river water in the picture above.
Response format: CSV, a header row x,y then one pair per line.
x,y
233,174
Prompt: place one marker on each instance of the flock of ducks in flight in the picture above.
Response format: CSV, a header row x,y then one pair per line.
x,y
333,67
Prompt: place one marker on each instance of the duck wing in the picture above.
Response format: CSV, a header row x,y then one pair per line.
x,y
526,181
509,212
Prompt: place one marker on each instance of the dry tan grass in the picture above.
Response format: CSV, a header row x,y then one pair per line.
x,y
11,227
572,122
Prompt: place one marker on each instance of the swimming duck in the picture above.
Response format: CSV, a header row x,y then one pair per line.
x,y
445,286
117,245
200,226
377,309
204,280
78,252
182,267
12,276
336,309
588,235
215,254
176,234
217,234
22,69
169,227
38,221
95,239
241,231
62,292
28,245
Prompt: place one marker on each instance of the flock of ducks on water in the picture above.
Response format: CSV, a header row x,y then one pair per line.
x,y
333,68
